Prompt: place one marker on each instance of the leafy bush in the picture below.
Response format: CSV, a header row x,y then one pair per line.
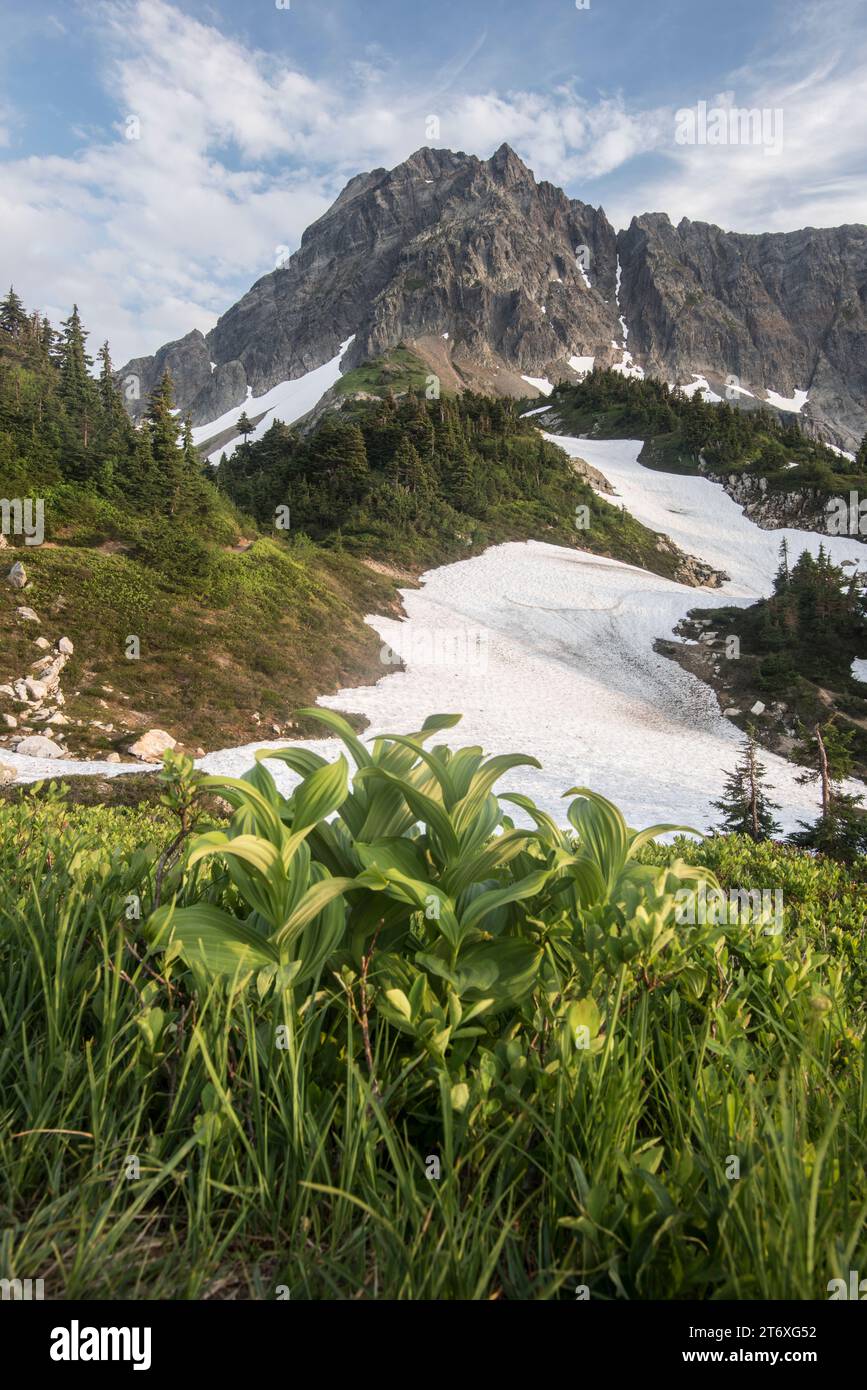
x,y
377,1038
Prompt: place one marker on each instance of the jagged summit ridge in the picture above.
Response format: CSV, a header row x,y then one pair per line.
x,y
493,277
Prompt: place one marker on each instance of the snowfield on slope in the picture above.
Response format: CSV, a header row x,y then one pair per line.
x,y
549,651
287,401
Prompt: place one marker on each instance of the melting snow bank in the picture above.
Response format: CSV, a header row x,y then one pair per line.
x,y
549,651
795,403
541,383
287,401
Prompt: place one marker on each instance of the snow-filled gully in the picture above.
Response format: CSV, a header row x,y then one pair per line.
x,y
549,651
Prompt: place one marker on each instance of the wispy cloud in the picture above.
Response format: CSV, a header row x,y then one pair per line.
x,y
221,153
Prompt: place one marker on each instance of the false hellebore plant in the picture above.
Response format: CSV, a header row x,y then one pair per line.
x,y
417,865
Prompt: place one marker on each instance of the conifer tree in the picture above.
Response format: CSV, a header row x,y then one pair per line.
x,y
162,426
13,318
405,468
75,364
48,338
841,830
245,425
146,485
745,806
861,456
191,453
781,578
113,412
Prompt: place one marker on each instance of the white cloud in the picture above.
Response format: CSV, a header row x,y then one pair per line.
x,y
239,151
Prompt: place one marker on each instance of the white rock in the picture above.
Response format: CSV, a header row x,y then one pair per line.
x,y
113,758
730,713
37,746
42,643
37,690
65,646
6,690
17,576
758,708
7,774
27,615
9,720
152,745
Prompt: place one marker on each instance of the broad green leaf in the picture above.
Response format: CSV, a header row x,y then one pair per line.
x,y
242,794
460,1096
343,730
399,1001
252,849
477,867
583,1020
515,892
517,965
320,794
602,831
395,852
424,808
642,837
439,772
312,903
300,760
210,937
541,818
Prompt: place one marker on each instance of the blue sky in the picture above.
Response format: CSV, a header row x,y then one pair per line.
x,y
247,118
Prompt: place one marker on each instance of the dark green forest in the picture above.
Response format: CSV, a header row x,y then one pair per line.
x,y
683,428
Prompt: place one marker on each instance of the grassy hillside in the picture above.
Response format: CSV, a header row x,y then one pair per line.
x,y
261,632
235,628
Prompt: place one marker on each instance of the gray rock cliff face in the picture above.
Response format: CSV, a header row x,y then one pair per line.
x,y
476,249
784,311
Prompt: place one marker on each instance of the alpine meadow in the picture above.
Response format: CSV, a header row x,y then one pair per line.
x,y
433,670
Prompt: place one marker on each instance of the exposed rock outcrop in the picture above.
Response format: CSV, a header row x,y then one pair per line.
x,y
152,745
773,508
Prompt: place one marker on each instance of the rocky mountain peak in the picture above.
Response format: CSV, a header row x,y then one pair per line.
x,y
504,164
492,278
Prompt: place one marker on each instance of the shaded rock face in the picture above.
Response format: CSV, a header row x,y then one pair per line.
x,y
805,509
477,249
785,311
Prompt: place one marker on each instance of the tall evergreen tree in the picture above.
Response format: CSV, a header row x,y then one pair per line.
x,y
113,413
841,830
13,319
781,578
162,426
75,364
191,453
745,806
